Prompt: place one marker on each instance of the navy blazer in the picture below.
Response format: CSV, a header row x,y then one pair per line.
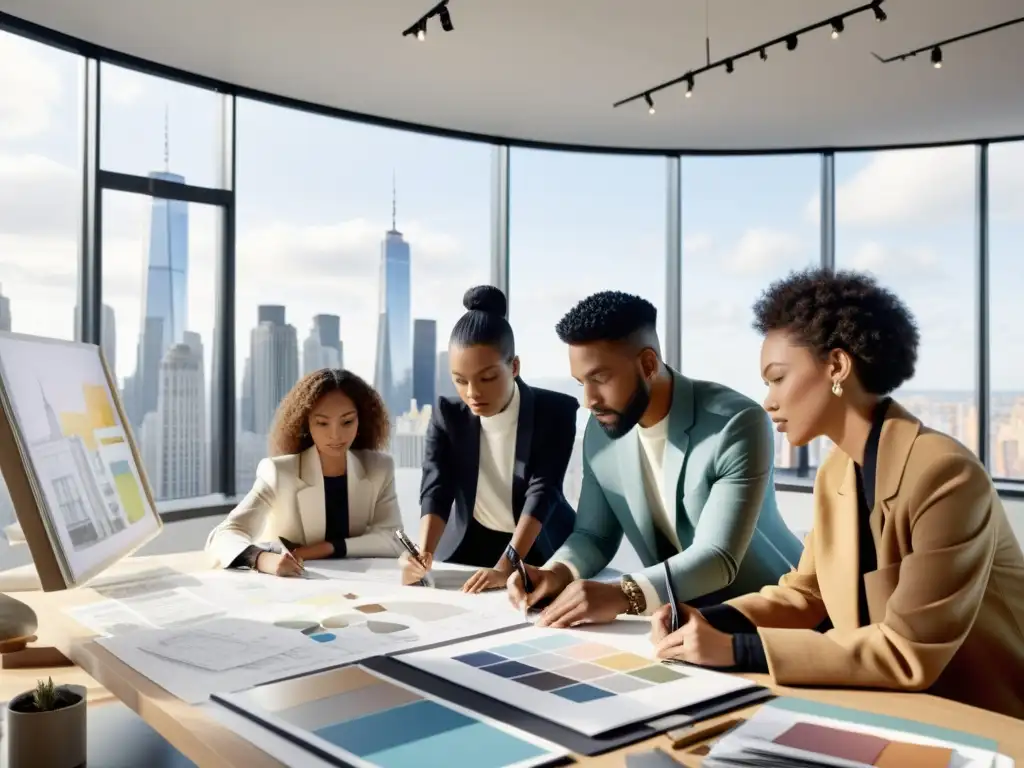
x,y
545,436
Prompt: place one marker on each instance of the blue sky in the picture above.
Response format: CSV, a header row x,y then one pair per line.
x,y
314,198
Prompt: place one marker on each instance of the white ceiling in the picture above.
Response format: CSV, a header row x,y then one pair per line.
x,y
549,70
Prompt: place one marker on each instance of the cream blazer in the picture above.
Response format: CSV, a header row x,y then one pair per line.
x,y
947,601
287,500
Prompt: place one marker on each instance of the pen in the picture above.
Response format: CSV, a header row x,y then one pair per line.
x,y
517,563
413,550
671,599
286,548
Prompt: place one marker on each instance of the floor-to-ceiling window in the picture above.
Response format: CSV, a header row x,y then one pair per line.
x,y
1006,317
355,245
40,195
908,217
579,223
746,221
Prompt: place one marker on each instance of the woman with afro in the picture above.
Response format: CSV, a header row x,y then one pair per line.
x,y
911,578
328,488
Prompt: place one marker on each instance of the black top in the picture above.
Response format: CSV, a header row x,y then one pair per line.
x,y
336,529
336,509
746,643
545,435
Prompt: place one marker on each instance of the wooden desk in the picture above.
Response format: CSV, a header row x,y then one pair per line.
x,y
206,743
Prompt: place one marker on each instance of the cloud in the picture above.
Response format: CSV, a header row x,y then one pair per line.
x,y
29,89
916,187
37,195
765,250
697,244
122,87
888,262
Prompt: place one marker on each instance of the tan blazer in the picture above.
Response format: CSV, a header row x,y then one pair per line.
x,y
287,500
947,601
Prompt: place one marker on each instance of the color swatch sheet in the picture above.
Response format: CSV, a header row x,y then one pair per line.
x,y
776,736
354,716
588,681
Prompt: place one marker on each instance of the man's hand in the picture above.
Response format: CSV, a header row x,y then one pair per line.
x,y
592,602
547,582
412,569
695,642
486,579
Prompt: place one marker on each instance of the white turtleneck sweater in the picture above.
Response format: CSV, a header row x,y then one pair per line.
x,y
493,508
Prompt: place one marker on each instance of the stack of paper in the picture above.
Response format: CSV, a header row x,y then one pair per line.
x,y
779,737
220,656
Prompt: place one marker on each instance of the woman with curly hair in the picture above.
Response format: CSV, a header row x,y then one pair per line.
x,y
328,489
911,578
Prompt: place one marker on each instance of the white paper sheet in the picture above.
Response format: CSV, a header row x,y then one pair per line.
x,y
220,644
195,685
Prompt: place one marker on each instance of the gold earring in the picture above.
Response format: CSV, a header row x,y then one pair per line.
x,y
837,388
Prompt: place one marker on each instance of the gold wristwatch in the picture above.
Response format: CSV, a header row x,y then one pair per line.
x,y
634,595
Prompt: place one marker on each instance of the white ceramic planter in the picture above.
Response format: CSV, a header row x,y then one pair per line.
x,y
55,739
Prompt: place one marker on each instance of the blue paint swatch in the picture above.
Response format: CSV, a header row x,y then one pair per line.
x,y
480,659
479,745
324,637
514,651
394,727
582,693
511,669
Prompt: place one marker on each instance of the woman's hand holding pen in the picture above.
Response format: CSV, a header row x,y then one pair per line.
x,y
284,564
415,569
695,642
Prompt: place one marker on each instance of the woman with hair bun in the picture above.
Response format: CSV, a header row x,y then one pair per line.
x,y
911,578
495,457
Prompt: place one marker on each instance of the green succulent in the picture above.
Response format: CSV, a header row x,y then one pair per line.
x,y
45,696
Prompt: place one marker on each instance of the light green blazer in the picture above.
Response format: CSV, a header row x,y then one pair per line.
x,y
719,461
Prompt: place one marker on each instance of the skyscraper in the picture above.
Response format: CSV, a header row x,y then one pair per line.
x,y
424,362
180,470
322,348
275,365
165,293
393,369
108,335
445,385
5,311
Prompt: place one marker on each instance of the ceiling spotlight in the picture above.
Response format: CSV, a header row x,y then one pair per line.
x,y
937,57
791,43
446,19
689,86
728,66
837,28
879,13
763,54
650,103
421,33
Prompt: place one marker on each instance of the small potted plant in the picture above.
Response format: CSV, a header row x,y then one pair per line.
x,y
47,726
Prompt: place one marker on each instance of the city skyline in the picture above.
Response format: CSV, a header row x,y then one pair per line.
x,y
578,223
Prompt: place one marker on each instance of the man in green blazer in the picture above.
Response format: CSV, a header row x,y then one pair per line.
x,y
683,469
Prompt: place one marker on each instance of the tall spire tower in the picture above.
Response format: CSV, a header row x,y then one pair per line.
x,y
394,202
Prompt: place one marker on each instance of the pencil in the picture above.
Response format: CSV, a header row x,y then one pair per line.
x,y
691,734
